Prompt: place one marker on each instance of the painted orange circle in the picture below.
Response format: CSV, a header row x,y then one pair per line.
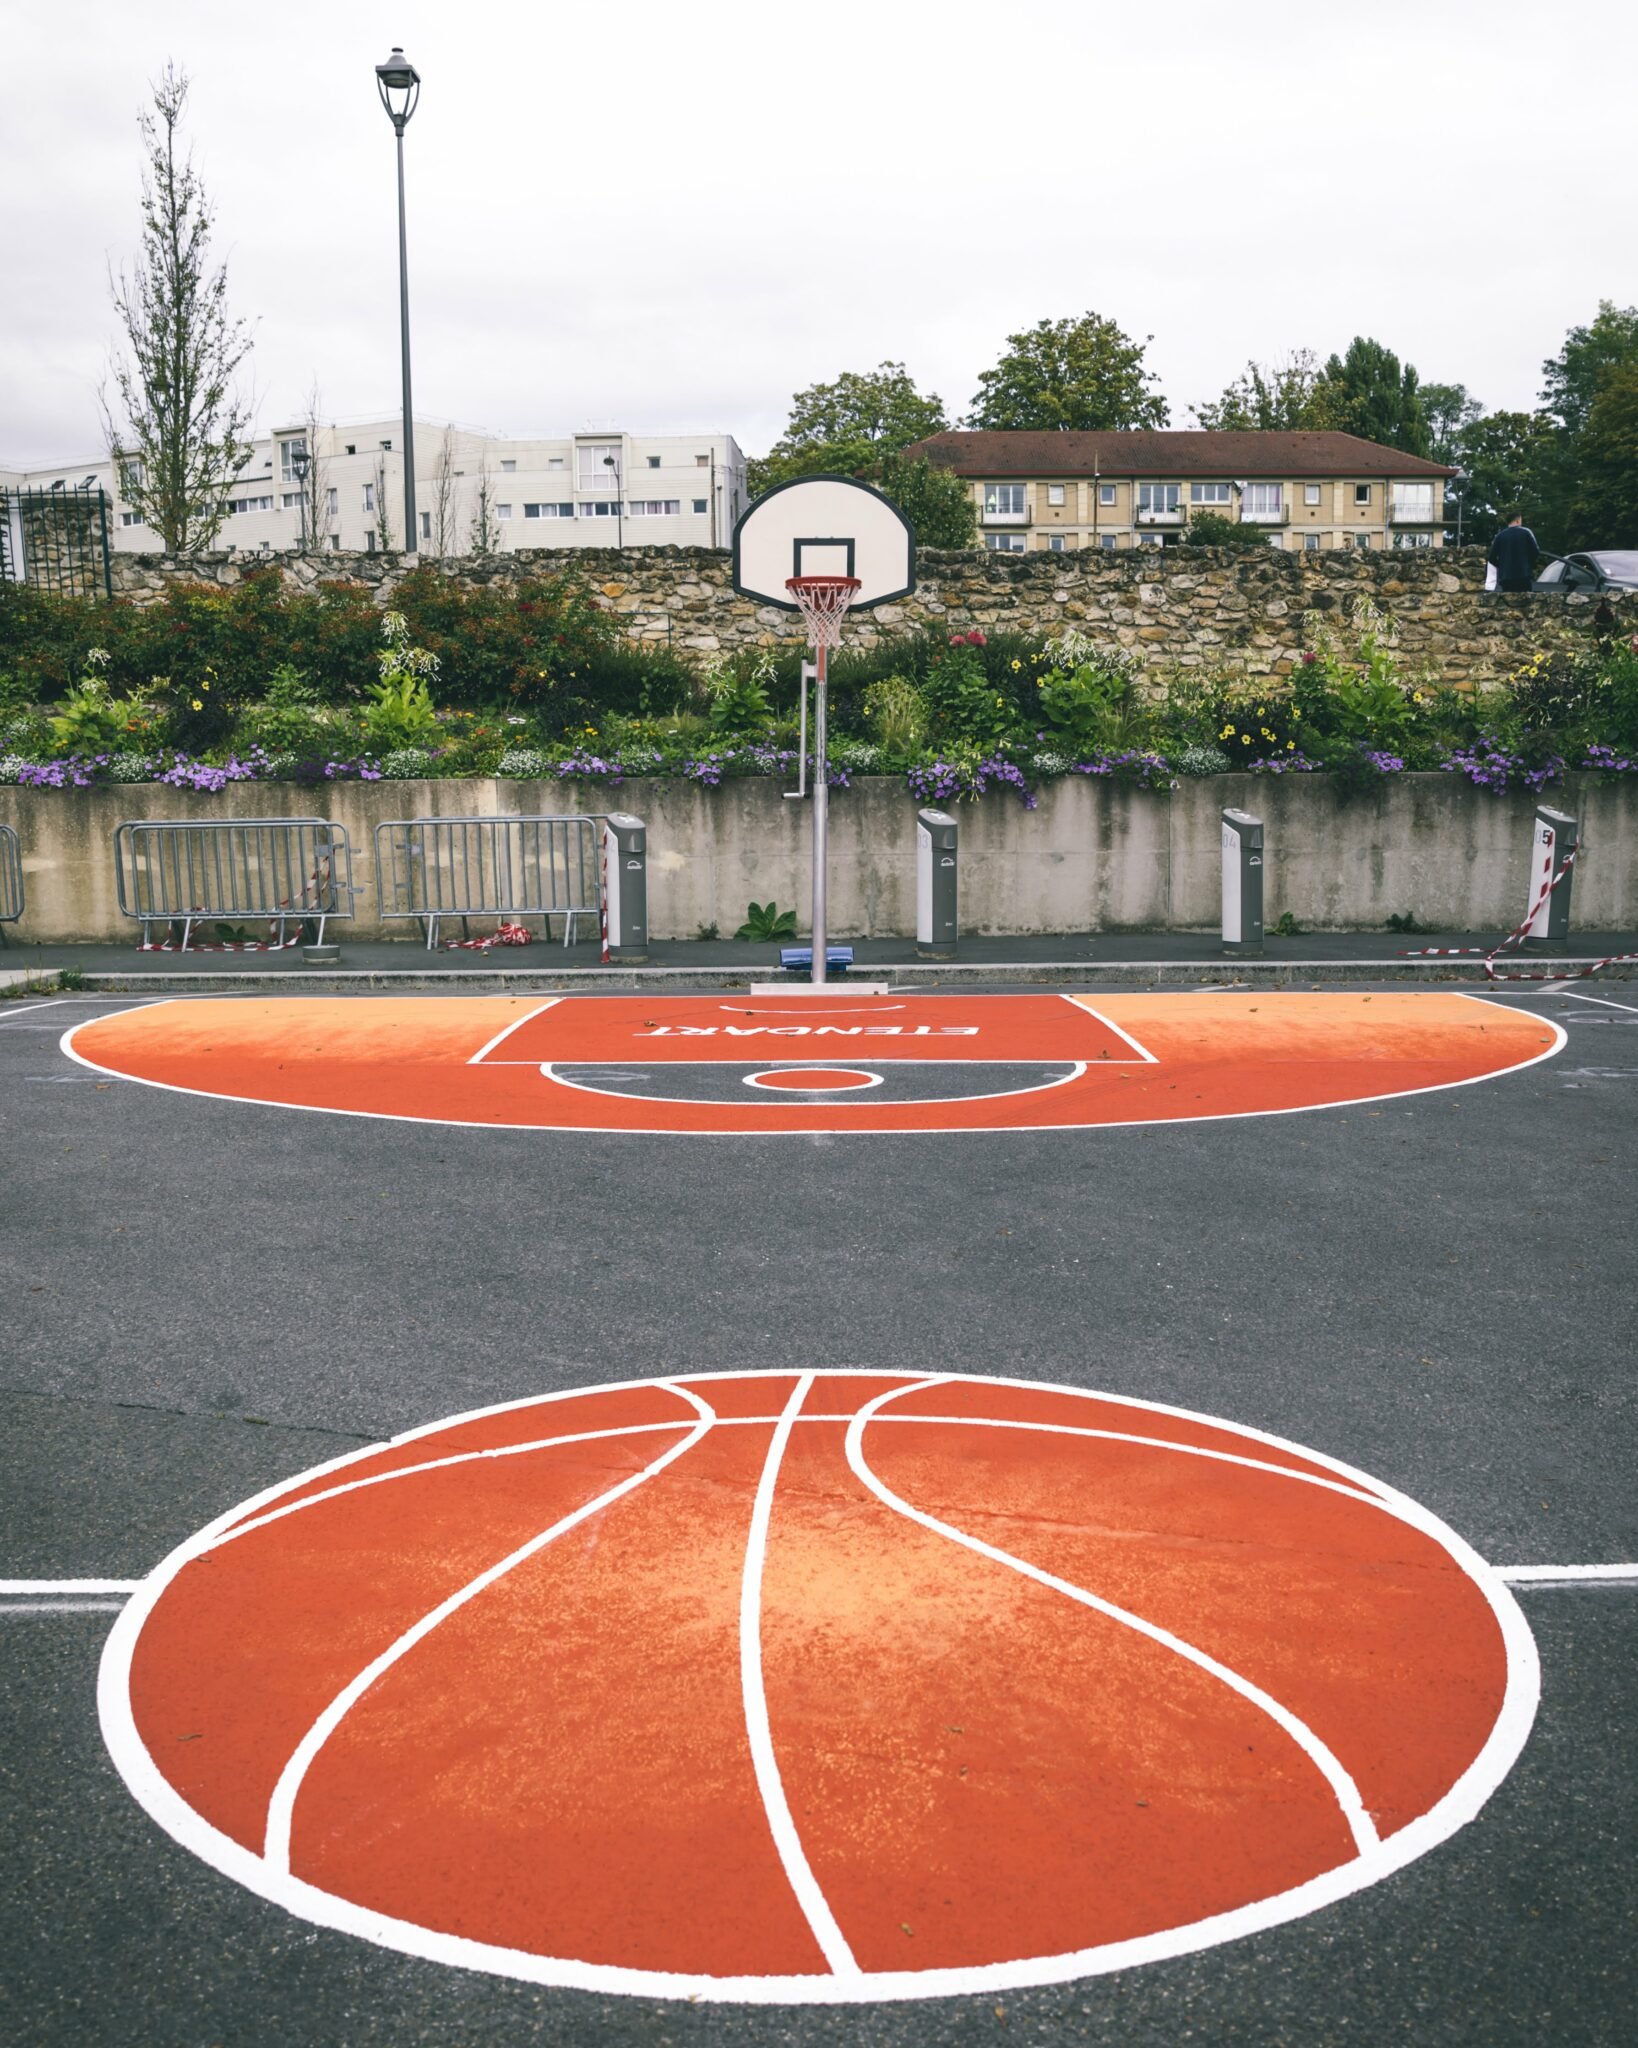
x,y
943,1062
818,1686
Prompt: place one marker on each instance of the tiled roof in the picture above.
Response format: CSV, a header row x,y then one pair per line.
x,y
1183,452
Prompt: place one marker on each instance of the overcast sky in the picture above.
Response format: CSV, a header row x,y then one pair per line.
x,y
663,216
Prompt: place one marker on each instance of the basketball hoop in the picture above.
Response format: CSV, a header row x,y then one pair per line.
x,y
823,603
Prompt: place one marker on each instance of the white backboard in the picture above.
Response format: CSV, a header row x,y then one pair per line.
x,y
824,526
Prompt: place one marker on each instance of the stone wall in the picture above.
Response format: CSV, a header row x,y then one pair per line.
x,y
1181,607
1091,858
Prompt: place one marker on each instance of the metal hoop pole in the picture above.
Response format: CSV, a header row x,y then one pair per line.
x,y
821,810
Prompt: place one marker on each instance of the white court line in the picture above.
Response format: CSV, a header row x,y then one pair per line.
x,y
62,1606
1109,1024
1603,1002
68,1586
1346,1792
55,1003
832,1942
517,1024
281,1807
1565,1574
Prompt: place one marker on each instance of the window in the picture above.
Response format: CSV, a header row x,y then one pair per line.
x,y
1276,540
1362,495
1107,540
1310,494
503,511
1362,540
1413,540
1005,543
548,511
288,451
426,526
369,497
592,459
1262,501
369,542
509,465
655,508
1151,540
1208,494
1106,494
132,519
554,462
1004,501
654,462
335,542
702,504
335,504
1413,502
601,508
1055,541
387,446
1310,542
351,448
702,462
250,504
1159,498
291,500
1055,494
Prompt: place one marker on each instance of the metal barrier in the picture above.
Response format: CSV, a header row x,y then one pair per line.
x,y
511,867
11,880
288,870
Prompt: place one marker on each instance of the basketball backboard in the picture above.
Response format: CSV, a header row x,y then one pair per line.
x,y
824,526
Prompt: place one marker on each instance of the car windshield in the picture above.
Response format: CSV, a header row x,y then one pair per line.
x,y
1622,565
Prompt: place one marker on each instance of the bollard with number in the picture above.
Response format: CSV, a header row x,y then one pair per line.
x,y
937,931
1242,884
625,865
1556,838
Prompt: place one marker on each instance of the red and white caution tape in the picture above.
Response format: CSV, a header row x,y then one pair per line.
x,y
506,935
311,897
603,893
1516,937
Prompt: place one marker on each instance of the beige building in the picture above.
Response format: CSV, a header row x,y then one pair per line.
x,y
1141,489
600,489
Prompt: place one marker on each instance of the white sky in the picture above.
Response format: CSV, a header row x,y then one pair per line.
x,y
613,209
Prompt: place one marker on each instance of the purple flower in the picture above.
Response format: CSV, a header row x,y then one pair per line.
x,y
1282,764
1130,767
1602,760
1490,764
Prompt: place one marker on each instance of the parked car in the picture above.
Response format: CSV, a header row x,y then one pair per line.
x,y
1603,569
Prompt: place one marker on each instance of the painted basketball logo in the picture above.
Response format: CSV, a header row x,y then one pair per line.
x,y
829,1686
834,1060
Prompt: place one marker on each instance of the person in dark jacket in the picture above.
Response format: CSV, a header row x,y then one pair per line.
x,y
1513,552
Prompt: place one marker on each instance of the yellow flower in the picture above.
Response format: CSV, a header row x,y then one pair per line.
x,y
1245,739
1417,697
197,705
1017,665
1290,746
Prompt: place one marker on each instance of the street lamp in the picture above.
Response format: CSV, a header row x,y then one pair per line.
x,y
399,84
300,463
619,504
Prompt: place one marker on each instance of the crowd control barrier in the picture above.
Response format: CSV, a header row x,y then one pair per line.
x,y
428,869
937,896
291,871
11,880
1242,884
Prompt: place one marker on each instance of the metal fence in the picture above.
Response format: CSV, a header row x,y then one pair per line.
x,y
57,540
290,871
11,879
432,868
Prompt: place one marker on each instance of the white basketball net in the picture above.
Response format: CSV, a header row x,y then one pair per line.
x,y
823,603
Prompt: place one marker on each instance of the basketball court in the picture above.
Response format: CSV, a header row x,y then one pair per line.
x,y
827,1514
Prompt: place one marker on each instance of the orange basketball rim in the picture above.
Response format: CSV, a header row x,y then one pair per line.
x,y
727,1064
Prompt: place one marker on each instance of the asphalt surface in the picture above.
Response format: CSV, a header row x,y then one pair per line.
x,y
202,1297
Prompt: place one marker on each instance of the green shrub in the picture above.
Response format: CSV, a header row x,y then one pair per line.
x,y
1089,695
896,713
1217,530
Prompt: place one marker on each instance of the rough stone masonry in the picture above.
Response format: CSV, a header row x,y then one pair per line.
x,y
1174,607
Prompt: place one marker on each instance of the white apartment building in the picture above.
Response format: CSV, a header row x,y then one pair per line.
x,y
598,489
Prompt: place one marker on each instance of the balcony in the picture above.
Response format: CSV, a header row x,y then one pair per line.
x,y
1414,512
1009,519
1277,515
1158,515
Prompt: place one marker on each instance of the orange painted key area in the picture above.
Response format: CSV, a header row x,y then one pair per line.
x,y
817,1686
716,1064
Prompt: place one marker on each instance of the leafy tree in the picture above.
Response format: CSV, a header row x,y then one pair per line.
x,y
936,501
845,427
1449,409
1502,455
1609,459
1291,394
1378,399
1571,379
1083,373
1214,530
180,432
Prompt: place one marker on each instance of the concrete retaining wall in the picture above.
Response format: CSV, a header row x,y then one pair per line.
x,y
1090,858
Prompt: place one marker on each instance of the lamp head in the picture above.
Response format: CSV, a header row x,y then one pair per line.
x,y
399,84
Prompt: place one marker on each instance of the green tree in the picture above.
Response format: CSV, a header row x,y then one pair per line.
x,y
1083,373
1609,460
179,431
1291,394
1502,455
1214,530
937,503
1571,379
844,427
1449,409
1377,398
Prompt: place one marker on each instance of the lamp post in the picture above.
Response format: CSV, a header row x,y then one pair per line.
x,y
300,463
399,84
619,503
